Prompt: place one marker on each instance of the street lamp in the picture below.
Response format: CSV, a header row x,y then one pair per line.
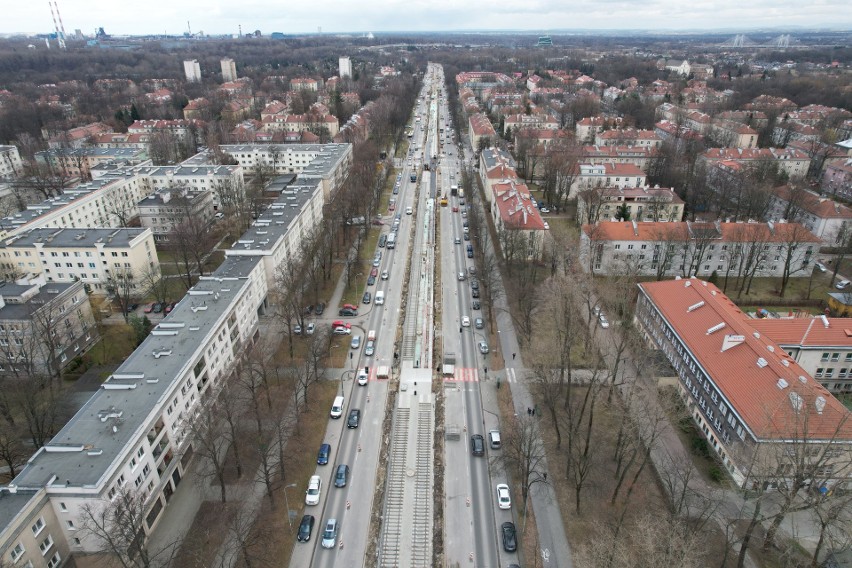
x,y
287,504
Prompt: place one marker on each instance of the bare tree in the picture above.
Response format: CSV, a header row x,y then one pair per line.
x,y
523,454
118,526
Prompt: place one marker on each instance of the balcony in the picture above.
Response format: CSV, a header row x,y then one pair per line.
x,y
155,431
161,447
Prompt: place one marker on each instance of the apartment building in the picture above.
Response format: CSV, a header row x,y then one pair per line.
x,y
192,70
586,128
821,345
589,176
837,178
755,405
496,166
794,162
521,232
628,137
698,249
31,534
94,257
11,165
344,67
538,121
650,204
480,128
733,134
181,129
76,137
639,156
824,217
165,208
304,84
229,69
43,326
78,162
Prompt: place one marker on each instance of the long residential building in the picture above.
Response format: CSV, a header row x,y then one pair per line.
x,y
794,162
134,434
11,166
639,203
758,409
95,257
824,217
698,249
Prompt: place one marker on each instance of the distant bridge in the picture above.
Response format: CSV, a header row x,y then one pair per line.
x,y
742,41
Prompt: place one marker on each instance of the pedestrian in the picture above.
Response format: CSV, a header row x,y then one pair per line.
x,y
513,356
545,476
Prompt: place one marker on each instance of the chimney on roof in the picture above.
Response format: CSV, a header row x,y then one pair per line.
x,y
635,228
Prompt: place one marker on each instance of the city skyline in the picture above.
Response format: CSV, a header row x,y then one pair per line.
x,y
420,16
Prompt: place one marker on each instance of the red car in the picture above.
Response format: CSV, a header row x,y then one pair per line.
x,y
374,272
149,308
348,307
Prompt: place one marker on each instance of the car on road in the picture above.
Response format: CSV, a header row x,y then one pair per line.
x,y
461,276
322,455
483,347
385,275
603,320
329,535
370,348
363,377
465,321
409,210
306,527
356,342
354,418
310,328
457,240
510,539
504,499
842,284
320,309
312,495
341,475
479,323
477,445
476,305
455,208
367,296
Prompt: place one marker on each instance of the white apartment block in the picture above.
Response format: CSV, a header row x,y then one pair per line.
x,y
94,257
697,249
590,176
824,217
345,67
192,70
641,203
229,70
164,209
11,165
134,433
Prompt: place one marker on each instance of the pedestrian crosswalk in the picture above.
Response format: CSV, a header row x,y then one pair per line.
x,y
464,375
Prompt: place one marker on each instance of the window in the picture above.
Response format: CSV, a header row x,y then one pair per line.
x,y
54,561
17,552
38,526
819,373
45,545
71,525
63,508
835,357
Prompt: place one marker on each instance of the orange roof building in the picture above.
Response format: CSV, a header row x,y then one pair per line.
x,y
755,405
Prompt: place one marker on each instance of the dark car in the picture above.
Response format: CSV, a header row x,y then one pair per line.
x,y
470,254
170,307
467,238
132,308
383,240
341,476
319,309
370,281
476,305
347,312
477,445
306,527
354,418
367,296
475,293
158,308
322,455
474,284
510,540
309,310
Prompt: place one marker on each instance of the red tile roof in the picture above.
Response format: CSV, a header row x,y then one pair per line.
x,y
821,207
726,232
807,332
753,373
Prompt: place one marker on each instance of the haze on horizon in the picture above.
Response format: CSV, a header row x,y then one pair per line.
x,y
341,16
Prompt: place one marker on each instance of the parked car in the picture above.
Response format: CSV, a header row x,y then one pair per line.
x,y
319,309
354,419
297,329
367,296
475,305
347,312
504,499
842,284
474,293
371,281
544,210
322,455
309,310
132,308
821,267
310,328
312,495
603,320
329,535
510,540
149,308
356,342
343,329
158,307
306,527
479,323
483,348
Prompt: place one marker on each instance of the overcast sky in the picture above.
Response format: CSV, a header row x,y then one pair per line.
x,y
340,16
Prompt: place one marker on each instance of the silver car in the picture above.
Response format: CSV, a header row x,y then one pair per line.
x,y
329,535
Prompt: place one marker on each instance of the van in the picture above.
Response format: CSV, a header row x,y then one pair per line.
x,y
337,407
371,335
494,439
380,297
391,243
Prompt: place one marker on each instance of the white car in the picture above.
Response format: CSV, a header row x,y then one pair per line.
x,y
842,284
310,328
504,500
603,320
385,275
409,210
363,377
312,495
465,321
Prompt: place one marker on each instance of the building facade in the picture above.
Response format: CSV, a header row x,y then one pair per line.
x,y
229,70
192,70
164,209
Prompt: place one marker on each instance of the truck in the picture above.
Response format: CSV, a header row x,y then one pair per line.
x,y
383,372
461,193
391,242
449,367
454,190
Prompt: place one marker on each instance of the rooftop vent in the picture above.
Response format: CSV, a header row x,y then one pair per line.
x,y
782,384
162,352
716,328
796,401
824,320
761,362
820,404
803,379
770,348
694,307
732,341
111,412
